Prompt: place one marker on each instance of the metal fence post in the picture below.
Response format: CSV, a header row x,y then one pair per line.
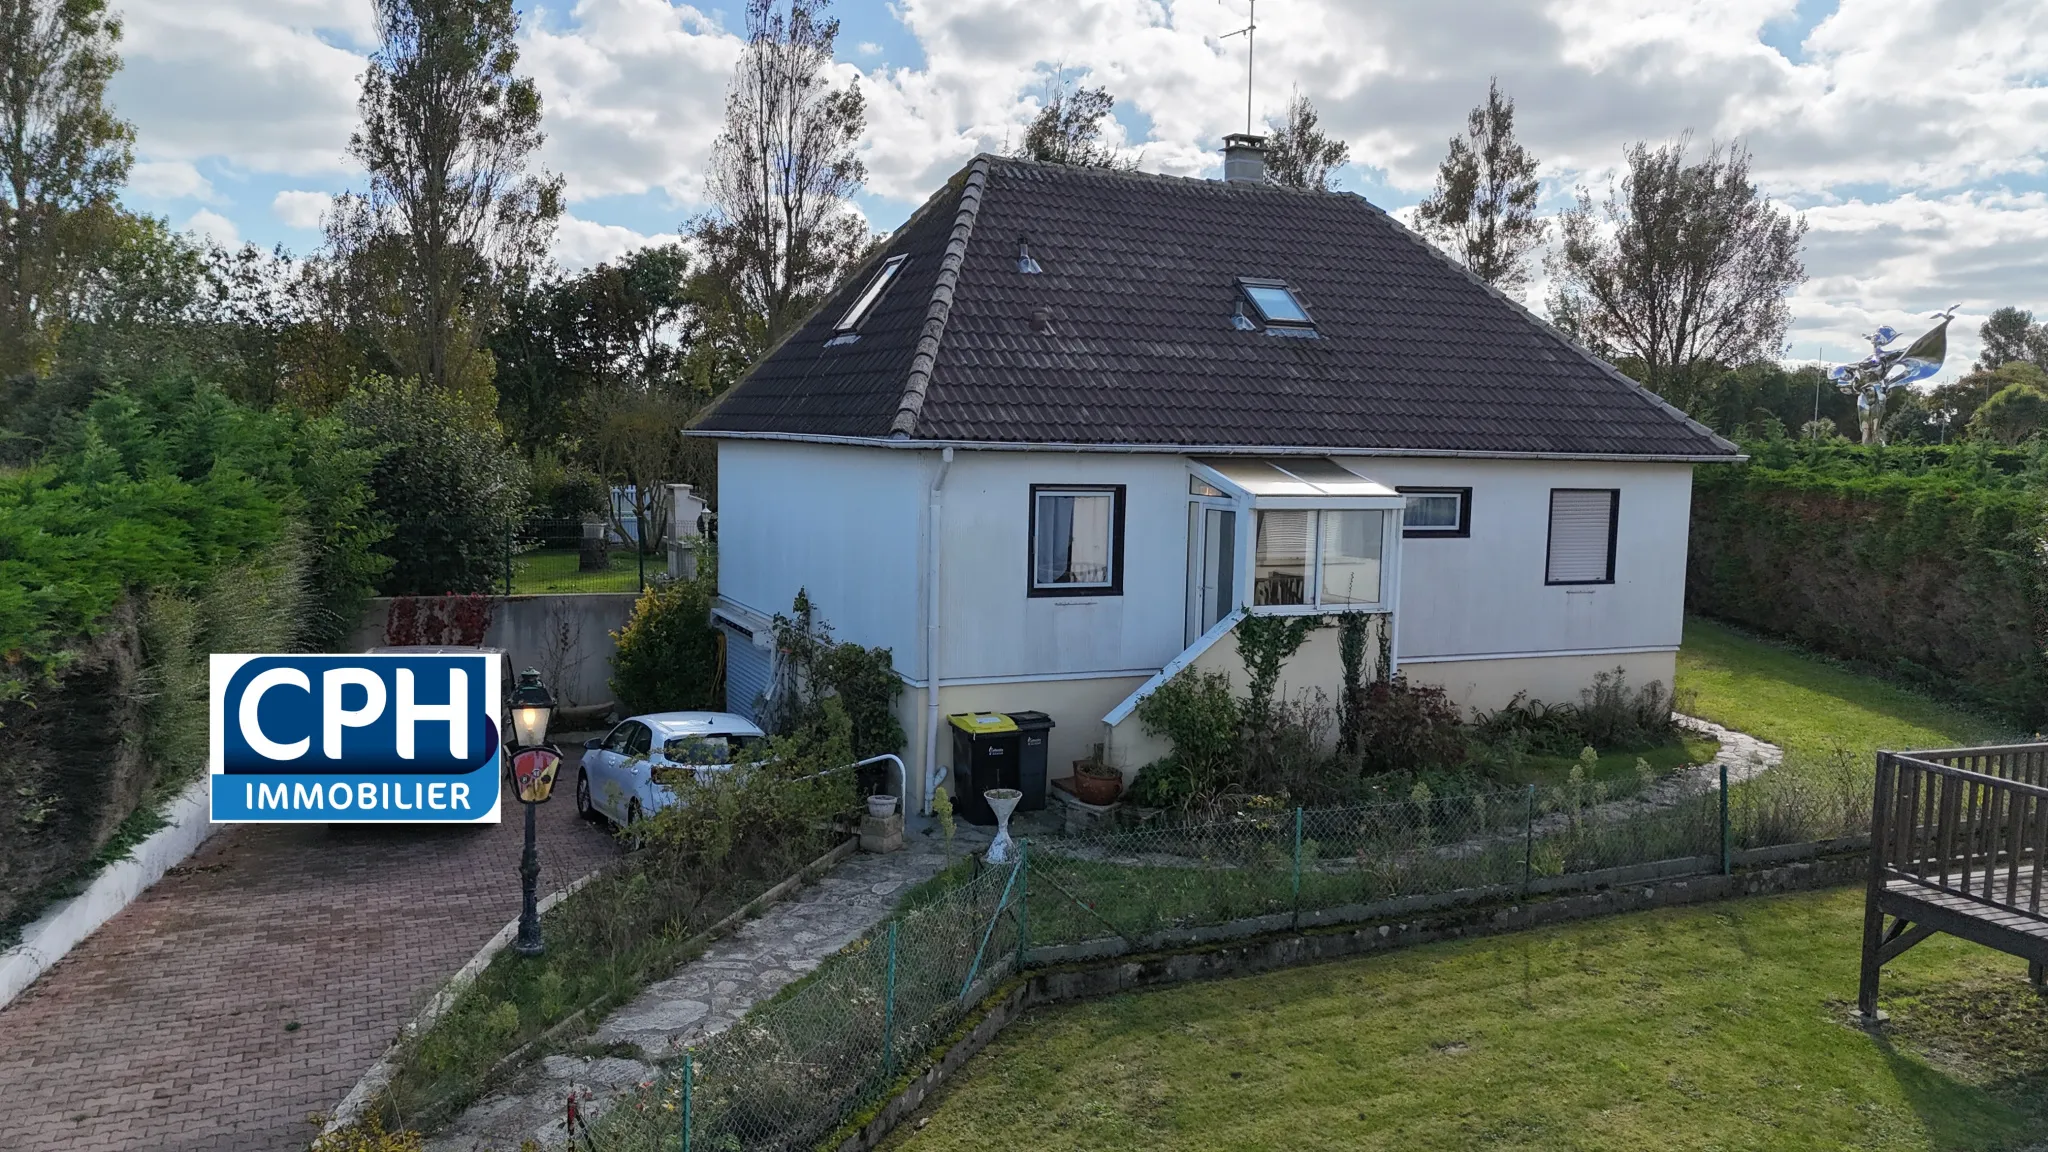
x,y
1023,901
1727,856
889,1011
1529,840
640,554
688,1076
1297,867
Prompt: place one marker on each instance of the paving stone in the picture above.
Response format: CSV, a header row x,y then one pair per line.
x,y
701,999
166,1028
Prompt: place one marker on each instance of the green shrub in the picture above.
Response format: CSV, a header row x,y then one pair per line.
x,y
1405,727
667,658
811,668
1199,715
446,480
1609,716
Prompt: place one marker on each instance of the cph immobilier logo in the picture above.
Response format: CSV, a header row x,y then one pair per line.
x,y
359,739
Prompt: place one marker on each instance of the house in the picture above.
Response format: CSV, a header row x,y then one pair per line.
x,y
1068,425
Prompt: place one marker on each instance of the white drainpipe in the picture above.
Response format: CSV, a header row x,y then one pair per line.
x,y
933,774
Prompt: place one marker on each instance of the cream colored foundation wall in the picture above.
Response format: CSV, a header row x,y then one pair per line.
x,y
1315,667
1076,708
1485,685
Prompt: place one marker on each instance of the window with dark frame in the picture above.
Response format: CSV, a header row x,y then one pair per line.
x,y
1077,540
1443,512
1583,524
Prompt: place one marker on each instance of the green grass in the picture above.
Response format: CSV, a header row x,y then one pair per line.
x,y
1616,765
556,570
1807,704
1721,1027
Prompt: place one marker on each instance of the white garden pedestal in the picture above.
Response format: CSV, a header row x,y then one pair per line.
x,y
1002,801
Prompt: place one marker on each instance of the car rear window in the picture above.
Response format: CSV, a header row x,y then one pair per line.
x,y
705,749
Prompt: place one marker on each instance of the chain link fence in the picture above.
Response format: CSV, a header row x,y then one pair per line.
x,y
545,556
805,1064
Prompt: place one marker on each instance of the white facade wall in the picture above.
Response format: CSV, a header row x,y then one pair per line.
x,y
1484,596
846,524
992,628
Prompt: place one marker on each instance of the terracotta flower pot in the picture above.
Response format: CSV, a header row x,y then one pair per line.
x,y
1096,789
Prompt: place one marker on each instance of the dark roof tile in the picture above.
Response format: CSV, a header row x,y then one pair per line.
x,y
1140,281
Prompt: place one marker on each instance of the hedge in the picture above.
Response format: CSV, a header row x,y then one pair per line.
x,y
1928,564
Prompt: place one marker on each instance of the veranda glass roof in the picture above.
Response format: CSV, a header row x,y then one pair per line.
x,y
1308,476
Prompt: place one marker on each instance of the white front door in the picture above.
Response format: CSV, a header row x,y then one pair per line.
x,y
1212,564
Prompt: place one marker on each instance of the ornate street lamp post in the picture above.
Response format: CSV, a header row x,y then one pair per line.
x,y
534,763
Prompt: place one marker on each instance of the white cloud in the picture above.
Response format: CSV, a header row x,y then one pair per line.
x,y
261,82
868,48
1894,262
580,244
215,227
1897,128
300,209
633,96
171,180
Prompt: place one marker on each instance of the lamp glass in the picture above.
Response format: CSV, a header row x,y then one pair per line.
x,y
530,722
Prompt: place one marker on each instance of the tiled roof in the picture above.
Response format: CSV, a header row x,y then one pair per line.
x,y
1140,282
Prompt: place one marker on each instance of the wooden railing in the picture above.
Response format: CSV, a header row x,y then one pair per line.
x,y
1968,821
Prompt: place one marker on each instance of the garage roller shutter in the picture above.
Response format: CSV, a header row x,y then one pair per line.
x,y
746,673
1581,535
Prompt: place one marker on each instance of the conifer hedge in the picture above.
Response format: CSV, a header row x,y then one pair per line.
x,y
1927,562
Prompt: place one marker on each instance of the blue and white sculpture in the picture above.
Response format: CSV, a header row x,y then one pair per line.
x,y
1872,380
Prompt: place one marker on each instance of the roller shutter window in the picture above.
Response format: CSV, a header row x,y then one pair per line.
x,y
747,670
1582,524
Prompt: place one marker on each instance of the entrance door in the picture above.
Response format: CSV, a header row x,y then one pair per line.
x,y
1212,565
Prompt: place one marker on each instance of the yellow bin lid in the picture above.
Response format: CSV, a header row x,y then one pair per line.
x,y
982,723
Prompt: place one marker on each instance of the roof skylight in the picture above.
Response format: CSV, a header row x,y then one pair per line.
x,y
1276,303
865,303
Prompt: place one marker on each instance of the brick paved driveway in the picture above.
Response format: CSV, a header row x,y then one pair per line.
x,y
171,1029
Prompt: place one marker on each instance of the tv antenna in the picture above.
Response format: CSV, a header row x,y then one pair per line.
x,y
1250,34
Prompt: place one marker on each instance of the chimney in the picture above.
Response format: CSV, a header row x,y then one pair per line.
x,y
1244,158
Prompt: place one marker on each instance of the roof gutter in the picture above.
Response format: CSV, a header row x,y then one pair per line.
x,y
1219,449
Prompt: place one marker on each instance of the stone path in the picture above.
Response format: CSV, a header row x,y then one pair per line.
x,y
252,985
1745,756
703,998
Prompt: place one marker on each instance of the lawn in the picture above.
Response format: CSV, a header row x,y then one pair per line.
x,y
1617,765
1811,705
1719,1027
556,570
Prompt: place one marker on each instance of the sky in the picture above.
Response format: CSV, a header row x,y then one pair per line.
x,y
1908,133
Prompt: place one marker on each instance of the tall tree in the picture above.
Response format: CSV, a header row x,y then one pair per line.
x,y
1484,207
628,324
1300,154
2010,334
1686,267
63,157
448,131
783,173
1068,129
